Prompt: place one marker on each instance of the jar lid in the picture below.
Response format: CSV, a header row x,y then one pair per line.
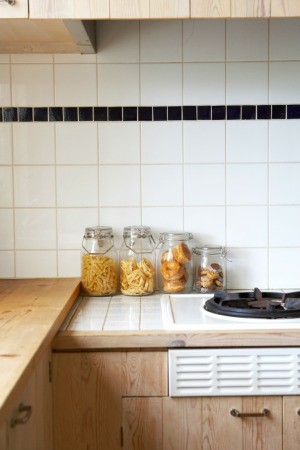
x,y
136,231
210,250
98,232
175,236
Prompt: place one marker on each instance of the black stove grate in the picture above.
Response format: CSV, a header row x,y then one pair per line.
x,y
255,304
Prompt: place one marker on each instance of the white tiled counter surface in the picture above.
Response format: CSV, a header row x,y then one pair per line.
x,y
114,313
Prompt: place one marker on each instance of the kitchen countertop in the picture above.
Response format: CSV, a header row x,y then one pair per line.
x,y
31,312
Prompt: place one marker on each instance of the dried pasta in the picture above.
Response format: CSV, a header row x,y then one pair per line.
x,y
137,278
98,274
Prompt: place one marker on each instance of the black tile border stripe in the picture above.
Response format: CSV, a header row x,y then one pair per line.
x,y
148,113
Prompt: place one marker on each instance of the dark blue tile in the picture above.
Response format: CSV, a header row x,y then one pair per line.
x,y
40,114
1,116
115,113
189,113
129,113
278,111
10,114
233,112
100,114
160,113
174,113
55,114
248,112
71,114
204,112
25,114
85,113
145,113
218,113
293,111
264,112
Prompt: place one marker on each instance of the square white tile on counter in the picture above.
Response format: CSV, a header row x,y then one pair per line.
x,y
284,226
7,229
69,263
36,264
207,223
247,226
203,40
7,264
248,268
289,277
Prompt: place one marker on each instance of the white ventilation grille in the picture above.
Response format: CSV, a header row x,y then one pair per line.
x,y
222,372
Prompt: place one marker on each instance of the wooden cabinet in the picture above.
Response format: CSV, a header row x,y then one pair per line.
x,y
250,8
19,10
210,8
285,8
29,419
119,400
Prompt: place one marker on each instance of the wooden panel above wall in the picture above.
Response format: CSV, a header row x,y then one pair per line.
x,y
210,8
285,8
69,9
250,8
17,10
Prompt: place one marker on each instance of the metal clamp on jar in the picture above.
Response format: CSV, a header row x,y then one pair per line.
x,y
99,262
210,270
175,262
137,261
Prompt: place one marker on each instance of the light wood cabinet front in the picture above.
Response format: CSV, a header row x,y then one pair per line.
x,y
210,8
250,8
285,8
291,423
17,11
69,9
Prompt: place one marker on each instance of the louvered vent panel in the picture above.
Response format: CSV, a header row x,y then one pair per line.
x,y
221,372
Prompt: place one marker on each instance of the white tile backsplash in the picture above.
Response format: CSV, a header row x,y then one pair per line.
x,y
234,183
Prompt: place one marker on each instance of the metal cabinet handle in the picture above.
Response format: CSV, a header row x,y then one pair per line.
x,y
18,418
235,413
10,2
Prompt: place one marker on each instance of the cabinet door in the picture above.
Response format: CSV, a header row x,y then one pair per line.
x,y
17,11
250,8
285,8
169,9
291,423
87,400
142,423
210,8
69,9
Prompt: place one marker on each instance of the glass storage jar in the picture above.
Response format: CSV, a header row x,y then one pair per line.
x,y
98,262
175,264
137,261
210,270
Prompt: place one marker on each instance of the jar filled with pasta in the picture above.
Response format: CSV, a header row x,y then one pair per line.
x,y
98,262
175,263
137,261
210,270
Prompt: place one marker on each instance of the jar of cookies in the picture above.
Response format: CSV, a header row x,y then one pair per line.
x,y
99,262
137,261
210,274
175,264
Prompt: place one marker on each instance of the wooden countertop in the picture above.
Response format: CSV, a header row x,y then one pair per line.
x,y
31,313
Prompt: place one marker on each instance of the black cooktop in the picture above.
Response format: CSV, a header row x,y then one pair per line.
x,y
255,304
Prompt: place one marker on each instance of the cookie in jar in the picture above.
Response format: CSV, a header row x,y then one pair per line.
x,y
175,263
210,274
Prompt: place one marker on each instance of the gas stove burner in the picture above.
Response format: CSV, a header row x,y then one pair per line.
x,y
255,304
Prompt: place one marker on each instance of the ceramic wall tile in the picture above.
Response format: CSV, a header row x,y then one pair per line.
x,y
203,40
36,264
284,38
161,143
75,84
161,41
288,278
284,141
163,219
124,193
247,83
118,84
34,186
247,142
77,186
204,142
284,85
35,229
34,143
207,223
7,264
284,226
204,83
283,192
247,40
68,263
32,84
247,184
119,143
248,268
118,218
161,84
158,193
247,226
31,58
203,176
76,143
